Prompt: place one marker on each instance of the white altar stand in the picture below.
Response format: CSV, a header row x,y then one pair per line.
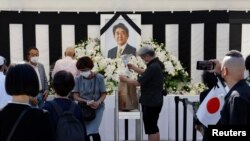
x,y
166,121
135,115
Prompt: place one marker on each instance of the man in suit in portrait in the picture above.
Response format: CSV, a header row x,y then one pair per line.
x,y
121,34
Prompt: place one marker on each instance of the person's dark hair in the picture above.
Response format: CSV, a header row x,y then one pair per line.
x,y
209,79
247,63
21,79
234,53
120,25
84,62
28,52
63,83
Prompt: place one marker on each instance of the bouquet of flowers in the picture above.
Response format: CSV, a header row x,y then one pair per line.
x,y
176,79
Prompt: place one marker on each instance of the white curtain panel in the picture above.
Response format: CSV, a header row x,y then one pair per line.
x,y
42,43
68,37
16,43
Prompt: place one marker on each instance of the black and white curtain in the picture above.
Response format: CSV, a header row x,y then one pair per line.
x,y
200,35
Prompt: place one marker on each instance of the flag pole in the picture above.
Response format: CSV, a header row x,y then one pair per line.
x,y
221,85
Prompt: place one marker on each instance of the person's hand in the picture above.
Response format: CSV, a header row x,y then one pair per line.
x,y
94,104
217,66
131,66
45,95
33,101
123,78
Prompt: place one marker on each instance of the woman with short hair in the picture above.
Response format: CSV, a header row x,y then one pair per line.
x,y
22,83
90,89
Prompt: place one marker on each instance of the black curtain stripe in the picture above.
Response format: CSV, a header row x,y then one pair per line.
x,y
159,33
158,19
115,17
235,37
185,46
131,23
109,23
210,41
81,33
29,38
55,43
5,41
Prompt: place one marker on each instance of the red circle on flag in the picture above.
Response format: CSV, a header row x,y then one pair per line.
x,y
213,105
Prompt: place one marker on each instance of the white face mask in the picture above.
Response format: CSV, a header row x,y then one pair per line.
x,y
34,59
86,73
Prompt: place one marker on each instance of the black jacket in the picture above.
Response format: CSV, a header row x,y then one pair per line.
x,y
34,126
151,82
127,50
236,109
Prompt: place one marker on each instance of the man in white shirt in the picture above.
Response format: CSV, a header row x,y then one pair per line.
x,y
67,63
4,97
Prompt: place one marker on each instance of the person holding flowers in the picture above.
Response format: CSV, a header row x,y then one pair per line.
x,y
151,83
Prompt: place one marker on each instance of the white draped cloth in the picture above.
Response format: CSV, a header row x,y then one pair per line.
x,y
4,97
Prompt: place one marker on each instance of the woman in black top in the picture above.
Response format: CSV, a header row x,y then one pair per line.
x,y
22,83
151,82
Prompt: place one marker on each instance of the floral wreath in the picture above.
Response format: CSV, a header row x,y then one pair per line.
x,y
176,79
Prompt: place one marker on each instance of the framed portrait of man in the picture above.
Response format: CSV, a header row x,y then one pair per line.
x,y
122,35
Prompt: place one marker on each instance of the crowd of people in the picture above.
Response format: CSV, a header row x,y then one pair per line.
x,y
25,113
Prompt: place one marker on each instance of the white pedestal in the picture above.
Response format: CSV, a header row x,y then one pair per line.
x,y
134,114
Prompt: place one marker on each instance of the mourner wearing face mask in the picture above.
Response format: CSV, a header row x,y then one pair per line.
x,y
151,83
90,89
33,60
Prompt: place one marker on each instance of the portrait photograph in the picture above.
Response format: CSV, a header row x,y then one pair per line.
x,y
120,37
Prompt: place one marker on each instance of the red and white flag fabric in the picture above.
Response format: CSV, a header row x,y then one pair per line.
x,y
208,112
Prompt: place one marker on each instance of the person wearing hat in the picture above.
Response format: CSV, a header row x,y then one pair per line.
x,y
151,83
4,97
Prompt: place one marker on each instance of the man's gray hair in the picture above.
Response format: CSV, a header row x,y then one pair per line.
x,y
146,50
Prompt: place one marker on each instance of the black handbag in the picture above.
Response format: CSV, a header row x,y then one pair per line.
x,y
88,112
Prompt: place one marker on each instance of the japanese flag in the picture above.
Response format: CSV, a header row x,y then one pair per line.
x,y
208,112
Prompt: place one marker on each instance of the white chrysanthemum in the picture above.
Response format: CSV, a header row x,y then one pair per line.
x,y
112,68
177,63
161,56
169,67
102,64
140,63
115,77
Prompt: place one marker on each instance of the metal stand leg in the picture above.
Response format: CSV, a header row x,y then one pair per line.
x,y
126,129
116,114
139,127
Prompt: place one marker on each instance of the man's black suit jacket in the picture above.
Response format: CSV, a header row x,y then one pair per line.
x,y
127,50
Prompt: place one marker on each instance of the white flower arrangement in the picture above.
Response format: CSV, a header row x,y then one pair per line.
x,y
176,79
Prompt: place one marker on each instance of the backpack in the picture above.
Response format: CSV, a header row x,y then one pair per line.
x,y
69,128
